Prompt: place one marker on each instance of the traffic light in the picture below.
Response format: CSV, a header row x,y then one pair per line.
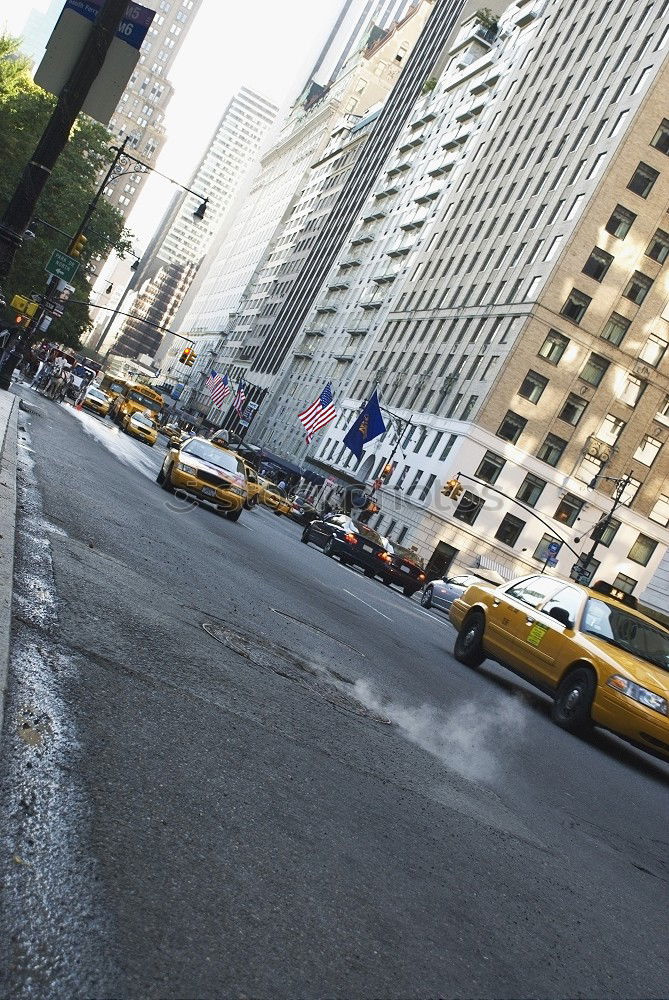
x,y
77,245
190,361
185,354
453,489
387,471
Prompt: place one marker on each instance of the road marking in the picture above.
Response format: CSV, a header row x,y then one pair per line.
x,y
355,598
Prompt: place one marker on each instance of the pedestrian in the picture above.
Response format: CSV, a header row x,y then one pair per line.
x,y
83,389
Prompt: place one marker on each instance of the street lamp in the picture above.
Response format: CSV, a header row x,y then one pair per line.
x,y
580,568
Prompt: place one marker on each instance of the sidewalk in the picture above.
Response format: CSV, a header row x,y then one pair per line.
x,y
9,413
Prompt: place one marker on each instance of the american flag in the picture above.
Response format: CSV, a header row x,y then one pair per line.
x,y
238,401
218,387
320,413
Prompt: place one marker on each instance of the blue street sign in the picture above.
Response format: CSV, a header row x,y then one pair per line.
x,y
133,27
553,548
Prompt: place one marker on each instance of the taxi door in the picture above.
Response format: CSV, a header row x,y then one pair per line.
x,y
543,644
517,630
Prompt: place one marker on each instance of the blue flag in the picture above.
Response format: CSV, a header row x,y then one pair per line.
x,y
366,427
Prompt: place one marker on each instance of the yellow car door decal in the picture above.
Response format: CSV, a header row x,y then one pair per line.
x,y
536,634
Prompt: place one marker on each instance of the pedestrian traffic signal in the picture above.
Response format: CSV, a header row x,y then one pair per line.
x,y
453,489
77,245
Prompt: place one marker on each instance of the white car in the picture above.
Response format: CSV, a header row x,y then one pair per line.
x,y
441,593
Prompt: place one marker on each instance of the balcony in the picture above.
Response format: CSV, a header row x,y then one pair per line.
x,y
399,251
326,308
303,354
386,192
351,262
412,143
338,286
358,331
312,332
429,116
374,215
371,303
399,168
385,277
413,223
439,169
362,238
427,194
343,358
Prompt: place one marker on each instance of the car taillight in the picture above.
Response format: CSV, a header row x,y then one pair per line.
x,y
421,576
350,537
383,555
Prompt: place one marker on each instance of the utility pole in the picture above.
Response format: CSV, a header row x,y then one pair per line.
x,y
580,569
36,173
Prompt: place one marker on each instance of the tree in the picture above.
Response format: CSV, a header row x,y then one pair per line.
x,y
24,110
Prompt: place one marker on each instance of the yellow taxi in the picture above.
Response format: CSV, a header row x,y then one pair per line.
x,y
603,662
220,439
96,400
142,426
272,496
209,474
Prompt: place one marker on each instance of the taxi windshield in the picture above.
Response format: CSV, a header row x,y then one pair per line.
x,y
96,394
137,397
141,418
215,456
624,630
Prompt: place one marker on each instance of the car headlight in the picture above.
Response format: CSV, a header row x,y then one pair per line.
x,y
640,694
188,469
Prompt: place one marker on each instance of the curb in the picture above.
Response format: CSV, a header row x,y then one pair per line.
x,y
9,419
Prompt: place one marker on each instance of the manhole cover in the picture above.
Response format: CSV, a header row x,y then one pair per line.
x,y
315,677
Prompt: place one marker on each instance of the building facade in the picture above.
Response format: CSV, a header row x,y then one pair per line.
x,y
186,232
524,344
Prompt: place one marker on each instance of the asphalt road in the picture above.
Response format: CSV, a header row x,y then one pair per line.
x,y
233,767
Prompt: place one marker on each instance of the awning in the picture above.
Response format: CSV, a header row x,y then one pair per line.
x,y
335,473
282,463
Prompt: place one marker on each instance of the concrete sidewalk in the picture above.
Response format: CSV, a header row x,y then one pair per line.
x,y
9,414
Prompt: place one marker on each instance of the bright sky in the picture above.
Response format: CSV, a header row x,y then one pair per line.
x,y
262,44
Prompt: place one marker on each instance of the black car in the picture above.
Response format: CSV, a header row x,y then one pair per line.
x,y
405,569
303,510
355,543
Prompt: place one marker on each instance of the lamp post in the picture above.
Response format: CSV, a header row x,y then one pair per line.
x,y
580,569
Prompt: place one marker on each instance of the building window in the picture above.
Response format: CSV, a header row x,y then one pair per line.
x,y
552,449
642,180
427,487
531,489
625,583
597,264
594,369
469,407
629,493
533,386
653,350
542,552
660,512
611,429
511,427
615,329
573,409
553,347
648,450
509,530
642,550
633,391
661,138
620,222
490,467
609,532
469,508
658,248
568,509
576,305
638,287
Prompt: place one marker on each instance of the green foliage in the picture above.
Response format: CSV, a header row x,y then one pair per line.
x,y
487,19
429,84
24,112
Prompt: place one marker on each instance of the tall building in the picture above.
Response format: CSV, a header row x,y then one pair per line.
x,y
328,93
524,348
183,237
141,110
37,30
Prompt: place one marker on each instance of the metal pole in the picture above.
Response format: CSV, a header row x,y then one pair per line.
x,y
602,525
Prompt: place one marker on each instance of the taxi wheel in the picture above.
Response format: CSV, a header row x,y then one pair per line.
x,y
387,582
234,515
328,548
468,647
369,572
426,597
306,537
166,481
573,701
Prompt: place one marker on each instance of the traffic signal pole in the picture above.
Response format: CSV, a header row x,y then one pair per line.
x,y
37,171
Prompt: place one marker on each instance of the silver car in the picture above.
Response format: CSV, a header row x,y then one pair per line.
x,y
441,593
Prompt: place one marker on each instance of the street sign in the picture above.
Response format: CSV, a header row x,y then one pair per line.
x,y
62,266
551,561
553,548
249,414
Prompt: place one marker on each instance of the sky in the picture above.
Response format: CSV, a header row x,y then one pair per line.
x,y
261,44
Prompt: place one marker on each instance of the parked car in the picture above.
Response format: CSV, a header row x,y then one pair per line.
x,y
602,661
209,474
352,542
441,593
303,511
404,569
141,426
